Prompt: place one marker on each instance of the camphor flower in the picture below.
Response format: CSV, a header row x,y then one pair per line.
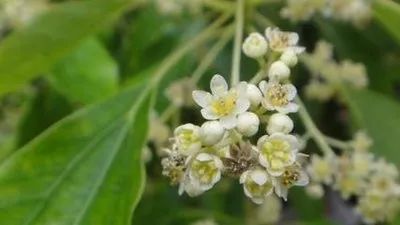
x,y
187,139
204,171
277,152
222,146
293,175
322,169
281,41
255,45
223,104
257,185
278,97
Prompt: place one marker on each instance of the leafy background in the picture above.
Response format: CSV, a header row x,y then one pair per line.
x,y
84,75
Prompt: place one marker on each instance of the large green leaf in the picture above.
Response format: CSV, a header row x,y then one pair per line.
x,y
84,170
33,49
87,75
380,116
388,14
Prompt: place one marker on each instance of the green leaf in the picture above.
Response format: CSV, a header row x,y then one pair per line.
x,y
84,170
380,116
87,75
388,14
35,48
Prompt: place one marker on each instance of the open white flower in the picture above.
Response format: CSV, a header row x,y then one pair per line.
x,y
277,152
205,171
292,176
223,104
278,97
281,41
257,185
187,139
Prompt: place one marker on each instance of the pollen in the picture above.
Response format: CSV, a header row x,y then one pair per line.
x,y
224,106
277,95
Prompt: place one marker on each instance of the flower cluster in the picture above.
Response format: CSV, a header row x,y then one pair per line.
x,y
327,73
357,172
357,12
201,155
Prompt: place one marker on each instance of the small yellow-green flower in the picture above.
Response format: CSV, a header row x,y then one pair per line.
x,y
257,185
277,151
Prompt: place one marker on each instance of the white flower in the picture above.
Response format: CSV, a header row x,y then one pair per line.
x,y
223,104
248,124
361,163
254,95
281,41
257,185
278,97
205,171
322,169
255,45
289,57
211,132
189,187
277,151
350,184
187,139
279,123
278,71
292,176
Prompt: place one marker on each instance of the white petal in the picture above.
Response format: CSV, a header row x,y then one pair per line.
x,y
242,105
291,91
303,179
263,86
202,98
208,114
241,88
259,177
243,177
297,49
293,38
266,104
218,85
289,108
204,157
229,121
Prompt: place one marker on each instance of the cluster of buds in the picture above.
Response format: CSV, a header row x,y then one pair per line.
x,y
327,74
357,12
358,173
223,145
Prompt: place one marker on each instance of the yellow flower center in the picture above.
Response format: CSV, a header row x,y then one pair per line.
x,y
258,190
280,41
187,137
225,105
204,171
277,153
277,95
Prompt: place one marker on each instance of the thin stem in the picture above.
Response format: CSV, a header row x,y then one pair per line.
x,y
262,73
239,20
262,20
316,135
337,143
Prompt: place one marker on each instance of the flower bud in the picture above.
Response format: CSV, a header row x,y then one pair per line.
x,y
279,71
253,94
289,57
248,123
255,45
211,132
279,123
